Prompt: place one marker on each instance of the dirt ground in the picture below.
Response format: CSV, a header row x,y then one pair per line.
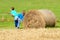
x,y
30,34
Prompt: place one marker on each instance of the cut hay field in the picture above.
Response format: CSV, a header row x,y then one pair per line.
x,y
8,23
8,31
30,34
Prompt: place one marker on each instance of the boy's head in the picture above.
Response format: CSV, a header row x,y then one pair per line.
x,y
24,12
12,8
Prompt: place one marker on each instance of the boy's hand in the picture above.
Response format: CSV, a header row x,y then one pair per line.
x,y
12,15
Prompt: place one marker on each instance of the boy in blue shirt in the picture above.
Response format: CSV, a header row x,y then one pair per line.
x,y
21,15
17,17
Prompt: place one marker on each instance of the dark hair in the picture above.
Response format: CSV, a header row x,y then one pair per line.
x,y
24,12
12,8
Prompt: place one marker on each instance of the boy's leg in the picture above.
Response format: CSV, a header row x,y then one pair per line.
x,y
16,23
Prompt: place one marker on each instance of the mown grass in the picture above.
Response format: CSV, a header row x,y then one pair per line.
x,y
27,5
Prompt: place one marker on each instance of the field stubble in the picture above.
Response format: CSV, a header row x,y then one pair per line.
x,y
30,34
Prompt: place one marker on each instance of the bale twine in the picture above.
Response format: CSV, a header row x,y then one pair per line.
x,y
49,17
33,19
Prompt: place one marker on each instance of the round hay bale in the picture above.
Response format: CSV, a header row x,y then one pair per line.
x,y
33,19
49,17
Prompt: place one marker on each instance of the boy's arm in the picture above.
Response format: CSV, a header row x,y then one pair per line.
x,y
10,14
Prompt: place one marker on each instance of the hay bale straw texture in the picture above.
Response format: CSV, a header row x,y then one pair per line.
x,y
33,19
49,17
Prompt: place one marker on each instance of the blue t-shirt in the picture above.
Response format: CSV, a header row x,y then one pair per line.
x,y
17,15
14,13
20,15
